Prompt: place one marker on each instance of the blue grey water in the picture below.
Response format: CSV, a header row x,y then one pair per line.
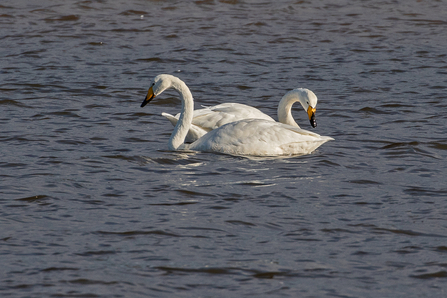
x,y
94,205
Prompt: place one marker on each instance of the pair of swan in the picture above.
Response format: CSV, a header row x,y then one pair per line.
x,y
238,129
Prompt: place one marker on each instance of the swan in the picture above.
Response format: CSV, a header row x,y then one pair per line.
x,y
255,137
209,118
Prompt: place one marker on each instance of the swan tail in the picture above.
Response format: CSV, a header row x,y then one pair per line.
x,y
171,118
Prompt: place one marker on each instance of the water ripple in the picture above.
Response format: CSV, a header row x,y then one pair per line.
x,y
93,203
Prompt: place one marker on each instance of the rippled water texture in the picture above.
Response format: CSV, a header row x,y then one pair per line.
x,y
94,205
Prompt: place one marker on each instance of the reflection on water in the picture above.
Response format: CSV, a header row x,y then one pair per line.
x,y
93,204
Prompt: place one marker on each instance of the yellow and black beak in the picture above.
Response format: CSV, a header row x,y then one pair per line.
x,y
311,113
150,95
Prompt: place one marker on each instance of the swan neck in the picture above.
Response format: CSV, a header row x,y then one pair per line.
x,y
181,129
285,109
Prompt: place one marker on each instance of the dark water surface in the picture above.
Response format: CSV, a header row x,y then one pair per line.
x,y
93,205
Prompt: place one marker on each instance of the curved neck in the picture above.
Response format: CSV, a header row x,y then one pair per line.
x,y
285,108
184,123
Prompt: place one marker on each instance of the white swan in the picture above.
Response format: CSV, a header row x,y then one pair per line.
x,y
255,137
209,118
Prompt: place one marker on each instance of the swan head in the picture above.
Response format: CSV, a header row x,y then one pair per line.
x,y
308,100
159,84
305,97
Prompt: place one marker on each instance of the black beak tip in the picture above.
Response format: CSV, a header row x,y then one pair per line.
x,y
313,121
145,101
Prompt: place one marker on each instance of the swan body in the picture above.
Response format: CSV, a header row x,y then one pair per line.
x,y
259,137
256,137
209,118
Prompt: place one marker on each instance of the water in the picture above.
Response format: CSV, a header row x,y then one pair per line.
x,y
94,205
